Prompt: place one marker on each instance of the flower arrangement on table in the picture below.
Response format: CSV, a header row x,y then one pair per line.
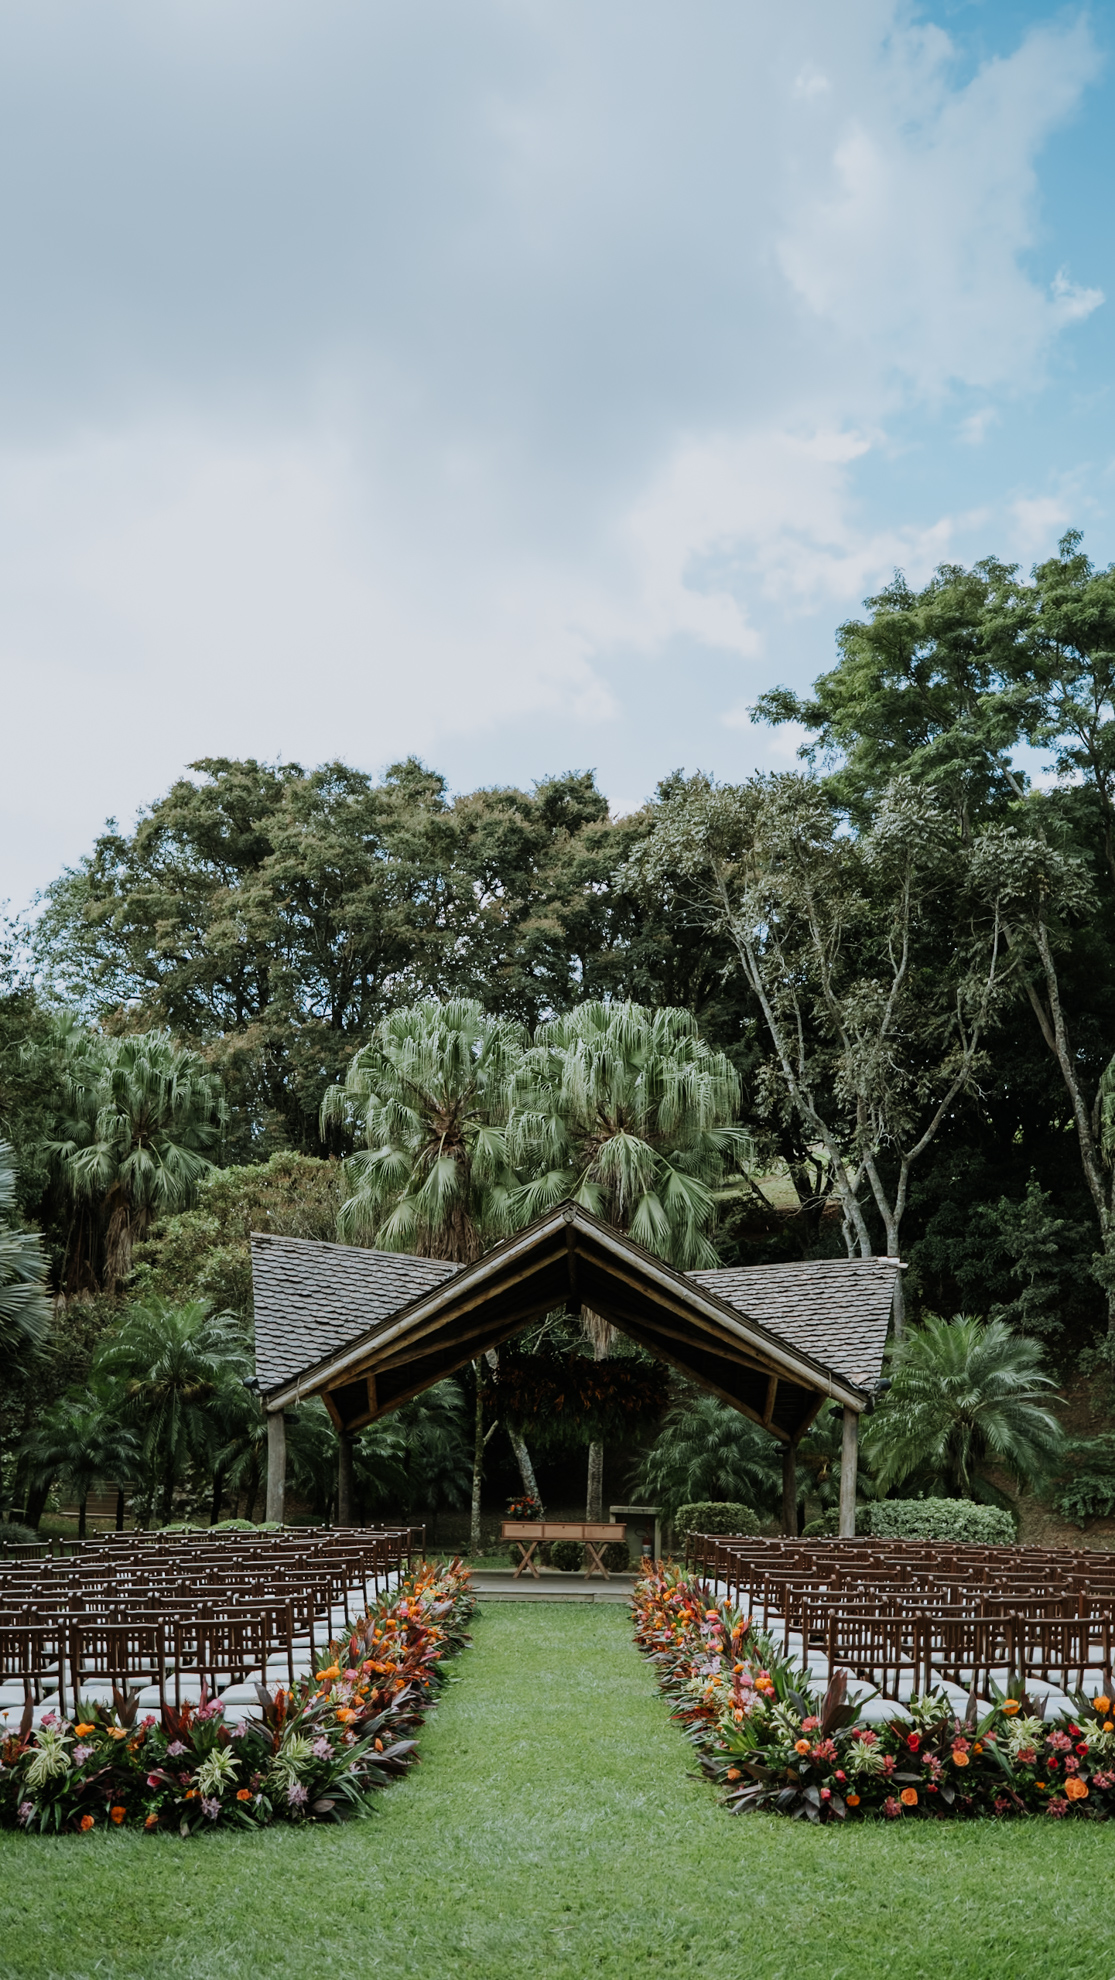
x,y
772,1743
524,1507
320,1751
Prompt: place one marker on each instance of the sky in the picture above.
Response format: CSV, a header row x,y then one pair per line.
x,y
522,384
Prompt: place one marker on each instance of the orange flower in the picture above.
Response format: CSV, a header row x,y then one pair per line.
x,y
1109,1725
909,1797
960,1759
1076,1789
84,1730
87,1821
191,1794
801,1746
151,1822
1010,1706
852,1800
117,1814
117,1732
1101,1704
334,1671
345,1713
732,1774
243,1794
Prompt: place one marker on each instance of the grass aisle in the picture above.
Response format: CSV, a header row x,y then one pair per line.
x,y
553,1831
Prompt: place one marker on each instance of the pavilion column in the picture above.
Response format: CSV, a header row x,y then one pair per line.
x,y
344,1479
849,1462
790,1490
276,1464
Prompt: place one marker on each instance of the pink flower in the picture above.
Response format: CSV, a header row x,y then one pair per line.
x,y
1103,1780
81,1753
210,1807
26,1812
175,1748
322,1749
892,1808
1058,1743
826,1794
297,1795
1072,1764
810,1725
1058,1806
1026,1756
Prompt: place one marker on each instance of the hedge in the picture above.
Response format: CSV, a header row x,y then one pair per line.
x,y
936,1519
715,1516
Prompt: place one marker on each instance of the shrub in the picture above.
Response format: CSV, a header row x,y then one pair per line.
x,y
568,1555
936,1519
824,1528
715,1516
12,1534
616,1556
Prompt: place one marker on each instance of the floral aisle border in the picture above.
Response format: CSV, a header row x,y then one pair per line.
x,y
774,1744
318,1752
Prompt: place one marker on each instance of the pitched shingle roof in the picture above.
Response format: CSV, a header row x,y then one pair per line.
x,y
836,1309
312,1299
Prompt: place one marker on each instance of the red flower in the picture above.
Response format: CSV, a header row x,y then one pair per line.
x,y
914,1742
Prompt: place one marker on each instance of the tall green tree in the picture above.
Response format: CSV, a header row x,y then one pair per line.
x,y
430,1094
877,961
24,1304
81,1441
174,1363
627,1111
141,1122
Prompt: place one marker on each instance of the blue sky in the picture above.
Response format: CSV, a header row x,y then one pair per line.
x,y
520,383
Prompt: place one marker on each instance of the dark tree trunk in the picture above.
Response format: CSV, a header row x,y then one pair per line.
x,y
215,1502
81,1505
119,1509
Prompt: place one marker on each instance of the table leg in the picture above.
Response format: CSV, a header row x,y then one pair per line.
x,y
592,1547
525,1559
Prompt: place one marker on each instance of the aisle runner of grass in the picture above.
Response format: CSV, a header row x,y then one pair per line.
x,y
552,1830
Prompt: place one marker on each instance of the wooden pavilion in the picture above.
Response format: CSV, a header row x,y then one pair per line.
x,y
367,1330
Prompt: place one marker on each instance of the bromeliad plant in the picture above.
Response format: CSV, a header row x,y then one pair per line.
x,y
772,1743
319,1752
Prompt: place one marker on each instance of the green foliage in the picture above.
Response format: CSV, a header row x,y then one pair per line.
x,y
707,1451
12,1534
24,1306
1085,1486
278,914
967,1395
559,1398
140,1122
180,1371
205,1253
715,1516
430,1093
937,1519
83,1439
568,1555
626,1110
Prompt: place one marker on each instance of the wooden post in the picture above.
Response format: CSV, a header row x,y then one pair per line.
x,y
344,1479
276,1464
789,1491
849,1460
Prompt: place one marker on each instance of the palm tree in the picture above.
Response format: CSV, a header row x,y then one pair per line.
x,y
967,1395
627,1111
142,1116
430,1093
175,1363
79,1440
707,1450
24,1304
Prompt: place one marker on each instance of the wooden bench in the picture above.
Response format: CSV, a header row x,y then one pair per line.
x,y
592,1534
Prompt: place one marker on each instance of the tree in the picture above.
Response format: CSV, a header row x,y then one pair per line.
x,y
24,1306
80,1440
275,914
174,1363
431,1093
142,1117
626,1110
874,959
967,1396
707,1450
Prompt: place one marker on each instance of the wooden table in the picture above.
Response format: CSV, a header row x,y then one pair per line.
x,y
592,1534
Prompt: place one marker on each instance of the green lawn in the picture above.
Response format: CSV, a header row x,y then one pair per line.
x,y
553,1830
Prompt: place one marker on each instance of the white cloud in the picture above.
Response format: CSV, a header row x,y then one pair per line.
x,y
471,364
